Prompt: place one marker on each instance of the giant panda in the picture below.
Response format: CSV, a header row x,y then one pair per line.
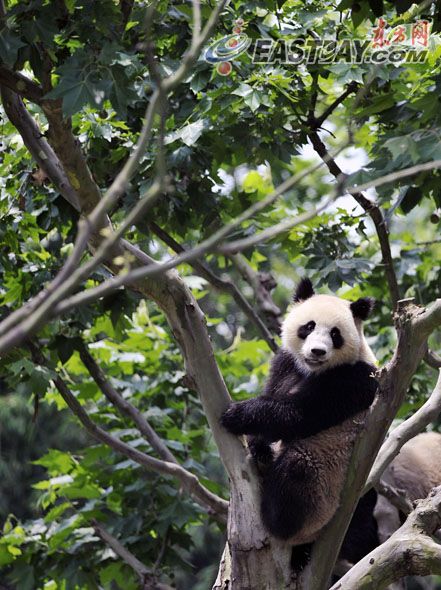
x,y
321,384
415,471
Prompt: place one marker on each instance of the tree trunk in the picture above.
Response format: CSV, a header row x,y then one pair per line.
x,y
252,559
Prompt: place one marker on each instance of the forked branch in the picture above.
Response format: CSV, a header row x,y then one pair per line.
x,y
409,551
188,480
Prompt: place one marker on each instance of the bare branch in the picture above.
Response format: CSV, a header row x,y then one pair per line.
x,y
146,576
21,85
265,304
429,318
188,324
404,432
272,232
126,7
196,19
188,480
396,497
394,176
212,242
409,551
125,407
372,209
37,145
220,283
433,359
187,256
317,122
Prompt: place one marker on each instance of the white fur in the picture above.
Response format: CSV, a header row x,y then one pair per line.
x,y
327,312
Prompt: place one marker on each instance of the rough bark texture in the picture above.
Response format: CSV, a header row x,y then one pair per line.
x,y
408,551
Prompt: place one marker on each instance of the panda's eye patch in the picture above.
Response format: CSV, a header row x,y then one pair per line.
x,y
305,330
337,338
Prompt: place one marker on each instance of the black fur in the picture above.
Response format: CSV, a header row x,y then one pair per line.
x,y
323,400
304,331
304,290
362,308
337,338
261,452
300,556
285,506
362,535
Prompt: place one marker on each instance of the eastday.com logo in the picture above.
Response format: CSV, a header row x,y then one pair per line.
x,y
403,43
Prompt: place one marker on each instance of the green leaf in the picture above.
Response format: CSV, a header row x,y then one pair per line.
x,y
9,46
188,134
411,199
398,146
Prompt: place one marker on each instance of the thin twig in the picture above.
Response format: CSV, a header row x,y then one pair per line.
x,y
317,122
396,497
373,210
196,19
433,359
220,283
189,481
404,432
147,577
272,232
265,303
125,407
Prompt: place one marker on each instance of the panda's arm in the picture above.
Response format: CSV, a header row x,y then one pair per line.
x,y
284,375
323,400
331,397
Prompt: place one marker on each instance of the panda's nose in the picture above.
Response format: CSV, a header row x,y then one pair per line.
x,y
318,351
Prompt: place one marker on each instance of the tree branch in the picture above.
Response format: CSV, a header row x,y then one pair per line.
x,y
219,283
69,151
125,407
372,209
316,122
272,232
213,241
404,432
146,576
37,145
265,303
396,497
188,480
21,85
173,297
409,551
433,359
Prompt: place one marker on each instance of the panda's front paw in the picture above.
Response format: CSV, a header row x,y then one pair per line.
x,y
234,418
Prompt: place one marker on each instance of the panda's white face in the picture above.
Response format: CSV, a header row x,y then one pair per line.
x,y
322,332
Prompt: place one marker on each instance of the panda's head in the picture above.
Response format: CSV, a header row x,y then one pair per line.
x,y
323,331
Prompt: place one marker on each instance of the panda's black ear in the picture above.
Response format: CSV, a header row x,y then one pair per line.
x,y
362,308
304,290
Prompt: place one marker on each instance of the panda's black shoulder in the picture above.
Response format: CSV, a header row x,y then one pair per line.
x,y
284,374
355,378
